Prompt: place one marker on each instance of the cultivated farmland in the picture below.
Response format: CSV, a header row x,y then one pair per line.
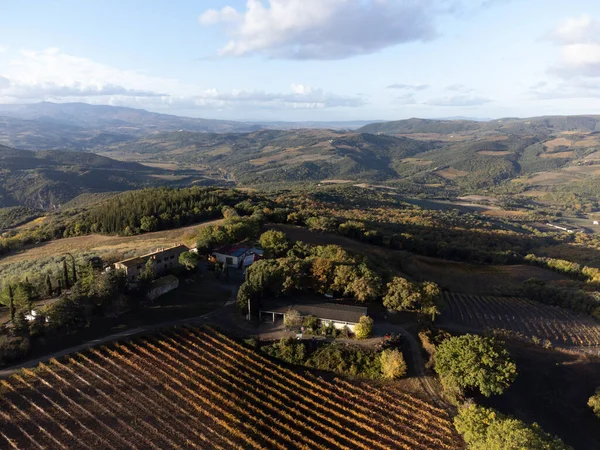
x,y
196,388
526,318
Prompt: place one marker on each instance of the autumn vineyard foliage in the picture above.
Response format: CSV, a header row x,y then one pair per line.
x,y
525,318
196,388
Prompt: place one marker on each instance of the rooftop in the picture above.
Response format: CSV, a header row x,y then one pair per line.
x,y
232,250
322,310
142,259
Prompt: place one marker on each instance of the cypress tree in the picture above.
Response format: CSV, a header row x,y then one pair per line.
x,y
49,285
11,304
74,272
65,274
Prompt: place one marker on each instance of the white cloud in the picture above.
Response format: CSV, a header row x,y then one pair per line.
x,y
406,99
565,89
3,48
578,39
459,100
52,75
323,29
301,89
408,87
576,30
459,88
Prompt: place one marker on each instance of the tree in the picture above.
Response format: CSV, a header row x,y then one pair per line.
x,y
487,429
274,242
402,295
74,271
392,364
11,304
365,287
148,223
364,327
49,290
344,275
189,260
292,319
474,362
594,402
66,274
321,223
431,298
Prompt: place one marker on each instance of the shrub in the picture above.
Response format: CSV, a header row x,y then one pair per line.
x,y
292,319
594,403
392,364
364,327
310,323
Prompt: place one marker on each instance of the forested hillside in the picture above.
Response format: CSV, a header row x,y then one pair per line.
x,y
48,179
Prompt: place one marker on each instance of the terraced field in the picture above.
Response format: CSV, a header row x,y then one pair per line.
x,y
526,318
196,388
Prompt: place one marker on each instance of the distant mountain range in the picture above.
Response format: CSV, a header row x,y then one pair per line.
x,y
93,149
80,126
535,125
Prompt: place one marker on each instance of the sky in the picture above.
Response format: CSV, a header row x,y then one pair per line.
x,y
306,60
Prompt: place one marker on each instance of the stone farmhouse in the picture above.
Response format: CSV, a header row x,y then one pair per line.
x,y
164,259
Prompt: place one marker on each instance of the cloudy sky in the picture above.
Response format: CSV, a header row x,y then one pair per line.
x,y
306,59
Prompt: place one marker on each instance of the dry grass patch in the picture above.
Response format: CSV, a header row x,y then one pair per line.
x,y
494,153
558,142
102,244
570,154
451,173
417,161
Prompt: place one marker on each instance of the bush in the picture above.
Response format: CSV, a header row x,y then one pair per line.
x,y
310,323
474,362
12,348
364,327
292,319
392,364
594,403
485,429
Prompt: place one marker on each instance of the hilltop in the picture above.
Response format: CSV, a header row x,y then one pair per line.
x,y
534,125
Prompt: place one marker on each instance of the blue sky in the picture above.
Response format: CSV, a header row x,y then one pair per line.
x,y
306,59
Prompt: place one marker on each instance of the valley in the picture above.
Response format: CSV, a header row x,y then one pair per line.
x,y
445,232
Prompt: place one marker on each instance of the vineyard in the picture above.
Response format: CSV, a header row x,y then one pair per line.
x,y
524,318
196,388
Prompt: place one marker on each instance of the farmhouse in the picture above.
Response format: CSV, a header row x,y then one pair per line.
x,y
232,255
164,259
338,314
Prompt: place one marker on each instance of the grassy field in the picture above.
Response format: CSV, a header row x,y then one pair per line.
x,y
196,388
103,244
474,279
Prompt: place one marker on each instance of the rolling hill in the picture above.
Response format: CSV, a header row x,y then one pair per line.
x,y
535,125
276,155
48,179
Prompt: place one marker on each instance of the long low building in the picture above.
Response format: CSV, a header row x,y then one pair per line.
x,y
340,315
164,260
